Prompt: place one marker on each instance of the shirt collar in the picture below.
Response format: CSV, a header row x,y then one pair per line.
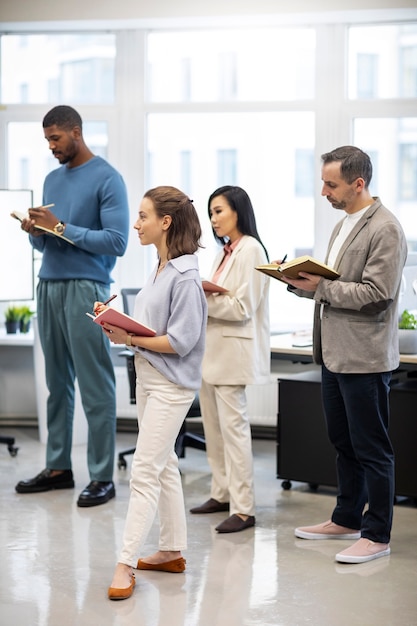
x,y
230,247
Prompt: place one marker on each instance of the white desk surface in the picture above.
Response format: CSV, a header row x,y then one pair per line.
x,y
284,345
280,344
17,339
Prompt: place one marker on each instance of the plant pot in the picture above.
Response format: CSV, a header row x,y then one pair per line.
x,y
24,327
11,327
407,340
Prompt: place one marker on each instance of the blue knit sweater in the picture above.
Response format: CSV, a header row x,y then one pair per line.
x,y
92,201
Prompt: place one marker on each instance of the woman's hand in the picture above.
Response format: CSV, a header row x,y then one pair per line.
x,y
114,333
99,307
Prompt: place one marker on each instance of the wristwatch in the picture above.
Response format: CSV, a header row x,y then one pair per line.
x,y
59,228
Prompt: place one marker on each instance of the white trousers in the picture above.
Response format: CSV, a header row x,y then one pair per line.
x,y
229,445
155,484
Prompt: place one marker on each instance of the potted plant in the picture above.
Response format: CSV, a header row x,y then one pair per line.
x,y
24,319
407,333
12,317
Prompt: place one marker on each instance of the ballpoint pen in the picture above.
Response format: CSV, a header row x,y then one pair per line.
x,y
283,260
43,206
109,300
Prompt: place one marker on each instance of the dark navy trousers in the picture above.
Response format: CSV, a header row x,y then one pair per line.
x,y
356,407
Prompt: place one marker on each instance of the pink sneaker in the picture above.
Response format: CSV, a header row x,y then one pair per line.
x,y
362,551
326,530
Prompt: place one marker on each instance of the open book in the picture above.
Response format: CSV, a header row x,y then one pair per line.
x,y
22,216
212,287
290,269
122,320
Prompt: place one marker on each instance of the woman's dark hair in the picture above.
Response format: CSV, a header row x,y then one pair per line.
x,y
62,116
239,201
354,163
184,233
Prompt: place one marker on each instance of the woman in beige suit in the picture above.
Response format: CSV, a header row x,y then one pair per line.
x,y
237,354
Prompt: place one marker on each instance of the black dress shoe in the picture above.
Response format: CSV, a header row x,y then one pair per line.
x,y
234,524
96,492
45,482
211,506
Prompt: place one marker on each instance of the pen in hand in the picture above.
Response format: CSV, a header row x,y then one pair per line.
x,y
107,301
283,260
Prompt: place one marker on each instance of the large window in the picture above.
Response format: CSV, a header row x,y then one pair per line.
x,y
201,107
242,149
262,64
29,158
383,61
393,144
58,68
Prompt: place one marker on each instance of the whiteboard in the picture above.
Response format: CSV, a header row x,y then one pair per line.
x,y
16,252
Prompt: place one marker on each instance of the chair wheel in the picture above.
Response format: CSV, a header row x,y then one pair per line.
x,y
121,464
286,484
12,450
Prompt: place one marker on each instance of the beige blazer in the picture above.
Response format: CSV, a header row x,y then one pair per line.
x,y
238,336
356,316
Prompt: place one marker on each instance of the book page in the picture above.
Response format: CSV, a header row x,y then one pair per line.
x,y
18,215
291,269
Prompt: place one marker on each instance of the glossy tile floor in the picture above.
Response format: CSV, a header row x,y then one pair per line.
x,y
57,559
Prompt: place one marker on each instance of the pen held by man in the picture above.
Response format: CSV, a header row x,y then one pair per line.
x,y
41,216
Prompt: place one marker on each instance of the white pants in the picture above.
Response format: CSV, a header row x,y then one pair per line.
x,y
229,445
155,484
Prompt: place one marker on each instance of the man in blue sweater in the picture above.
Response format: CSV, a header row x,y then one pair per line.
x,y
90,209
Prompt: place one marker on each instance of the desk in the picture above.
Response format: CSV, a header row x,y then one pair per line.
x,y
282,347
304,452
17,383
21,381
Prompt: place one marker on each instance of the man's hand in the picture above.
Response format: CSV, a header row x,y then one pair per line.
x,y
306,281
28,225
42,216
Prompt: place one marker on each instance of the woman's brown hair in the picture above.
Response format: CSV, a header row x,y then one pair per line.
x,y
184,233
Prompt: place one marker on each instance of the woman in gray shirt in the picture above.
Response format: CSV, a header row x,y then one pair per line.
x,y
168,369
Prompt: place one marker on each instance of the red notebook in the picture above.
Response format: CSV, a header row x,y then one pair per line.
x,y
121,320
212,287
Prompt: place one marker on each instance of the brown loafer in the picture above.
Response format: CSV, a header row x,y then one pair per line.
x,y
122,594
234,524
174,567
211,506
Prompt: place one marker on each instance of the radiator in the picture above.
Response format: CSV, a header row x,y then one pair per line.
x,y
263,403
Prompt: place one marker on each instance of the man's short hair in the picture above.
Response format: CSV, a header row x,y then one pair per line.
x,y
62,116
354,163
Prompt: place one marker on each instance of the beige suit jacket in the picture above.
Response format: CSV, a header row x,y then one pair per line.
x,y
356,316
238,336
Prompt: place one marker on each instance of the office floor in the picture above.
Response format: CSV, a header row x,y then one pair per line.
x,y
57,560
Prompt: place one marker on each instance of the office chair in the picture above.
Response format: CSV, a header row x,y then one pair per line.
x,y
9,442
184,439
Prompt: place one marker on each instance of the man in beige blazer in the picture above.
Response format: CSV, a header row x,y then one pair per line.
x,y
355,340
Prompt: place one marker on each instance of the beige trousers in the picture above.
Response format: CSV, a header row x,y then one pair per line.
x,y
229,445
155,484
